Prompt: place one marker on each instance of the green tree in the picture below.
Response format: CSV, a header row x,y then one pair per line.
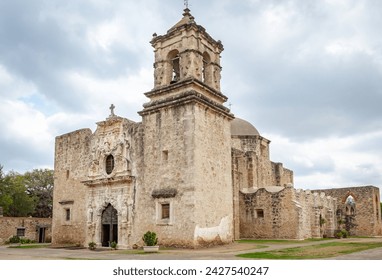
x,y
39,184
16,201
5,198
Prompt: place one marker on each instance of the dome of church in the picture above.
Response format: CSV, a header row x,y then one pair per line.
x,y
240,127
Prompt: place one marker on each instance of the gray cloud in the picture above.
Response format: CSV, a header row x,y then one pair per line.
x,y
38,46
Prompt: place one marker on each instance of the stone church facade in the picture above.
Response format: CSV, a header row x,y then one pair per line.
x,y
190,170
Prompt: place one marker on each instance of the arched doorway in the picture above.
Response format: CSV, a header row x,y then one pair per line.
x,y
109,226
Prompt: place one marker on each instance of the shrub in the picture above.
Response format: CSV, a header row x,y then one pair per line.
x,y
344,233
113,245
92,245
150,238
338,235
26,241
15,239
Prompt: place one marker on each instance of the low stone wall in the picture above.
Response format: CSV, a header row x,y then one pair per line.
x,y
286,213
36,229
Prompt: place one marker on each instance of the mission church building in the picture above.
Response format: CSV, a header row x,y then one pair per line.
x,y
190,170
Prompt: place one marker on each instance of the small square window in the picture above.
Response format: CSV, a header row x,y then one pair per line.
x,y
259,213
165,211
20,232
165,155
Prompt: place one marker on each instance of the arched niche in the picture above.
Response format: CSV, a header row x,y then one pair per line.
x,y
207,70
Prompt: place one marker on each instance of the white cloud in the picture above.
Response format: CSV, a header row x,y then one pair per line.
x,y
329,162
123,91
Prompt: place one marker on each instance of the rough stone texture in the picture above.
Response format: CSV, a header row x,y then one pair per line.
x,y
367,210
9,226
72,158
287,214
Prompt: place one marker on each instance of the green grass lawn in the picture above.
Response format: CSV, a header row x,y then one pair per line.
x,y
278,241
29,246
318,251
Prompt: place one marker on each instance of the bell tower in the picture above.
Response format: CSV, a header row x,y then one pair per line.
x,y
187,141
186,51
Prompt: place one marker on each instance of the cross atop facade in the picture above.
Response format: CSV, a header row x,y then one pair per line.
x,y
112,107
186,3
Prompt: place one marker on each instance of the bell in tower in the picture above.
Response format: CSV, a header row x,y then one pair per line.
x,y
187,51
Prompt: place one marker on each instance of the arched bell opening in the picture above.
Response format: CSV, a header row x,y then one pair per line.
x,y
206,71
174,59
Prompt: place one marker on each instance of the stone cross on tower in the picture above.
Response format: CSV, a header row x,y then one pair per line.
x,y
186,3
112,107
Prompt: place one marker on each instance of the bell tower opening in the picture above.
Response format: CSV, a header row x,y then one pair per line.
x,y
206,76
174,59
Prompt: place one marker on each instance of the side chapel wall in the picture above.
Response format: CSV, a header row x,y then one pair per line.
x,y
72,159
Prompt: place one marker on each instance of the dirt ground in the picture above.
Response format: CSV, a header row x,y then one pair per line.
x,y
226,252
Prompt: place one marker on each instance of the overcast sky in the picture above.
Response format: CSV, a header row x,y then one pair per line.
x,y
307,74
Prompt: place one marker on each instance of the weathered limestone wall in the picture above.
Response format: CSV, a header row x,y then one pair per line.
x,y
168,163
131,227
72,160
9,226
187,149
252,168
257,170
317,214
279,219
280,175
367,215
213,181
277,212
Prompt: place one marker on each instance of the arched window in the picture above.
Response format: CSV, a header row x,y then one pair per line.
x,y
109,164
206,62
174,59
350,205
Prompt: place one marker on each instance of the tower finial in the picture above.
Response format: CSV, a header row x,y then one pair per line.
x,y
186,4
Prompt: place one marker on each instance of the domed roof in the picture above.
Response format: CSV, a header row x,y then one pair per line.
x,y
240,127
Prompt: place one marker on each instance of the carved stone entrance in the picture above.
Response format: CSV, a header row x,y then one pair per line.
x,y
109,226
